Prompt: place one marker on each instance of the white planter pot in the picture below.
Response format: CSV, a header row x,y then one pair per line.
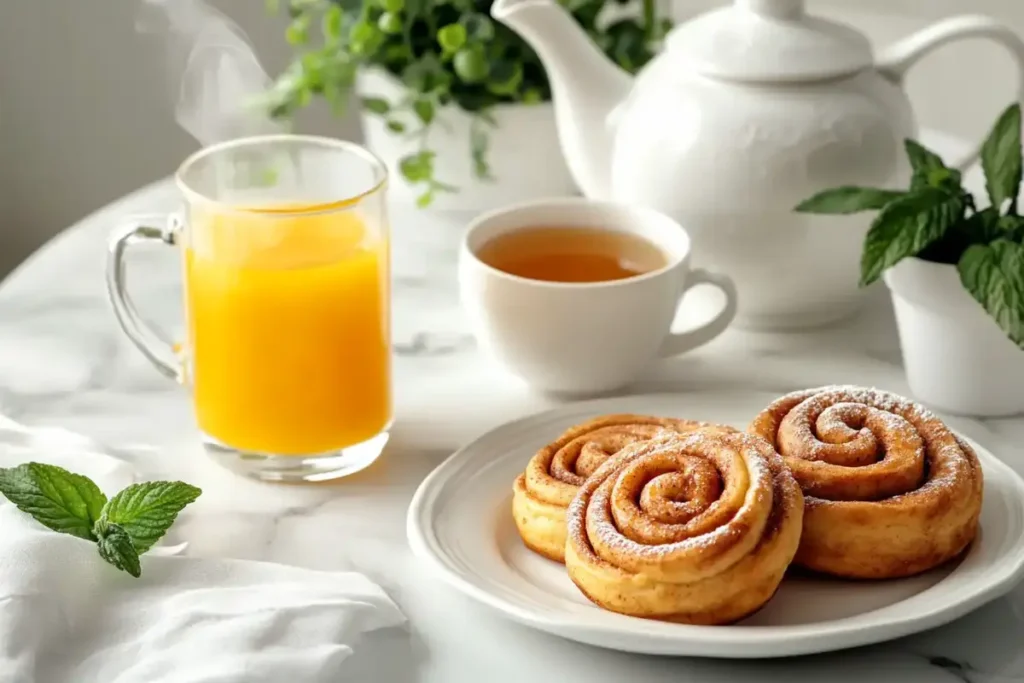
x,y
524,155
957,358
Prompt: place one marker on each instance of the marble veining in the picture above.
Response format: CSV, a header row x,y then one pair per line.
x,y
64,363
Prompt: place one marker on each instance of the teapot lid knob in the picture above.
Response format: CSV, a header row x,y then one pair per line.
x,y
768,41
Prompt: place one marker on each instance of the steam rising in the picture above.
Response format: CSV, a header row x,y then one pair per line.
x,y
213,73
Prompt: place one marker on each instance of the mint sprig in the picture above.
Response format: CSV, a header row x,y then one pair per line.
x,y
124,527
937,219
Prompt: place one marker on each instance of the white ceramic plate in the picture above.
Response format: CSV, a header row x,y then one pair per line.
x,y
460,522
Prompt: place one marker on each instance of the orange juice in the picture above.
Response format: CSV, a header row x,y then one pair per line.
x,y
288,322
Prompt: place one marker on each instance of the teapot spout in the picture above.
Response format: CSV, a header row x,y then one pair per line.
x,y
586,86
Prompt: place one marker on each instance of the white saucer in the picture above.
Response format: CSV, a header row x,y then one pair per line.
x,y
460,522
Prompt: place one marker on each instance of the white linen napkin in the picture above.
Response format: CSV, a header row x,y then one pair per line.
x,y
66,616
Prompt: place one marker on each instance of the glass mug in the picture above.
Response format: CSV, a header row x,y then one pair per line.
x,y
284,244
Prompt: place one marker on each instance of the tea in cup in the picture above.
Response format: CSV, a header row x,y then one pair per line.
x,y
577,297
284,244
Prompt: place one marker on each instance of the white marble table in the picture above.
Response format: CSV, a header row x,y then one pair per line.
x,y
63,362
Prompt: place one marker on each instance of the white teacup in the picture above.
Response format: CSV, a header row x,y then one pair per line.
x,y
584,338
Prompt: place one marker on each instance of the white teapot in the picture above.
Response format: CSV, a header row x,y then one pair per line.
x,y
746,111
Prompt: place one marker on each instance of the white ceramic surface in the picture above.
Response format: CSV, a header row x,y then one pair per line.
x,y
749,110
64,363
591,337
957,358
523,152
460,523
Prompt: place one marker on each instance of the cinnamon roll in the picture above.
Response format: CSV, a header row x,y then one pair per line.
x,y
696,529
553,475
890,491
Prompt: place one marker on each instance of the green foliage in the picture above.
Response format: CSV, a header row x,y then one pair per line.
x,y
443,52
936,219
123,527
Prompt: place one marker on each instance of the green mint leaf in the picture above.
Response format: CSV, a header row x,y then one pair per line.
x,y
145,511
59,500
116,547
905,227
331,23
298,31
506,77
478,26
451,37
377,105
994,276
927,167
847,199
929,170
417,167
471,64
424,110
922,158
362,33
1001,158
943,178
390,23
532,96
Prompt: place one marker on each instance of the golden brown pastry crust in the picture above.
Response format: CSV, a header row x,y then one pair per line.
x,y
544,490
889,490
696,529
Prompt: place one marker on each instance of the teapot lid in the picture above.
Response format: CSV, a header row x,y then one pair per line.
x,y
768,40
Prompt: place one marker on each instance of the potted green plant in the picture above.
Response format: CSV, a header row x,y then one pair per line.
x,y
955,268
457,106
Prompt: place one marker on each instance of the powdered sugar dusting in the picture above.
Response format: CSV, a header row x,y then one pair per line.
x,y
871,396
837,412
879,472
589,516
557,470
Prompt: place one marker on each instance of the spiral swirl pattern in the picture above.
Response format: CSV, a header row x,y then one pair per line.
x,y
554,474
691,528
889,490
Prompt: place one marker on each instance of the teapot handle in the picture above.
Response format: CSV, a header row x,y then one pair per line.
x,y
896,60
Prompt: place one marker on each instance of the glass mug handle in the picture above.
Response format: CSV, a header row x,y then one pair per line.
x,y
159,352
